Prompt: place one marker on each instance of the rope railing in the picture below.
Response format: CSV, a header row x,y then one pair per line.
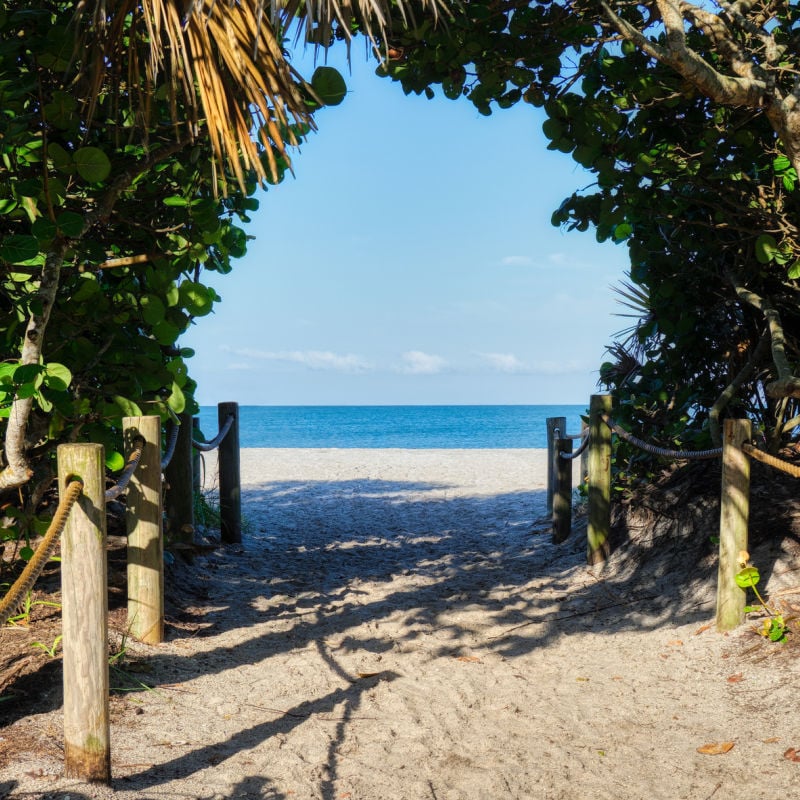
x,y
171,442
678,455
20,588
772,461
205,447
581,448
736,454
127,473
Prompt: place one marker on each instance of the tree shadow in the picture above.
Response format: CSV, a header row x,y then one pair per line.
x,y
332,561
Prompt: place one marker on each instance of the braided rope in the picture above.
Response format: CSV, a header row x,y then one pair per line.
x,y
124,479
772,461
682,455
204,447
583,445
172,441
24,583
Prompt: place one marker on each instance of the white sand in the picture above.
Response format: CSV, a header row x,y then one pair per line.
x,y
397,626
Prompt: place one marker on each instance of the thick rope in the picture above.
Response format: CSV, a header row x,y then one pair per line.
x,y
22,585
681,455
124,479
173,440
204,447
772,461
579,452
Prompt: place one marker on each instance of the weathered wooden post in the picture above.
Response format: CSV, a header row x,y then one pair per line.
x,y
734,517
145,538
84,591
554,424
599,499
562,491
197,459
180,487
585,453
230,490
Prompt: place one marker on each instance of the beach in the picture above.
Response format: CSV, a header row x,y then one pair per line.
x,y
398,625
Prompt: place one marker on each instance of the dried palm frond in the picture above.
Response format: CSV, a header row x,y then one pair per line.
x,y
221,61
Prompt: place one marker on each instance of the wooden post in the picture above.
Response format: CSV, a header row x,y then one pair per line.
x,y
84,593
230,490
599,499
585,453
180,491
734,516
562,491
553,424
145,540
197,460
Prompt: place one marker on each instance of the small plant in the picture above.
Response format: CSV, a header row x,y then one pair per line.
x,y
51,651
24,616
775,627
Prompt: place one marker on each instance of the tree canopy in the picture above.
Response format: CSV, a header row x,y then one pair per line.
x,y
688,125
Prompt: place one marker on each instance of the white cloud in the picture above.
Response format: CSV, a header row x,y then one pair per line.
x,y
415,362
503,362
516,261
311,359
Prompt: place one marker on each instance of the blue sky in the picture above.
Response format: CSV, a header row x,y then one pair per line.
x,y
411,260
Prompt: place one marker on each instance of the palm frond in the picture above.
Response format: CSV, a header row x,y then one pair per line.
x,y
221,61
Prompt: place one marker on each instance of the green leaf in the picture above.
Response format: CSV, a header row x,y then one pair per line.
x,y
794,270
747,578
176,401
92,164
115,461
766,248
196,298
152,309
781,163
18,248
70,224
57,377
176,201
127,407
44,230
60,157
28,374
329,85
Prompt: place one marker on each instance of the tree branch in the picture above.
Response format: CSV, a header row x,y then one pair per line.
x,y
787,384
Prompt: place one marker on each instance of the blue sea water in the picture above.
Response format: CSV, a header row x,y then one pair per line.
x,y
412,427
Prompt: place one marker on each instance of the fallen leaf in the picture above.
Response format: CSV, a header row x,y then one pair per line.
x,y
772,740
469,659
792,754
367,674
581,679
735,678
675,643
715,748
703,628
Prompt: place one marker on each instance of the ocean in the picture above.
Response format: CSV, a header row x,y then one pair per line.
x,y
412,427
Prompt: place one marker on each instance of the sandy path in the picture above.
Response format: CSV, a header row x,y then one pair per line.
x,y
392,630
